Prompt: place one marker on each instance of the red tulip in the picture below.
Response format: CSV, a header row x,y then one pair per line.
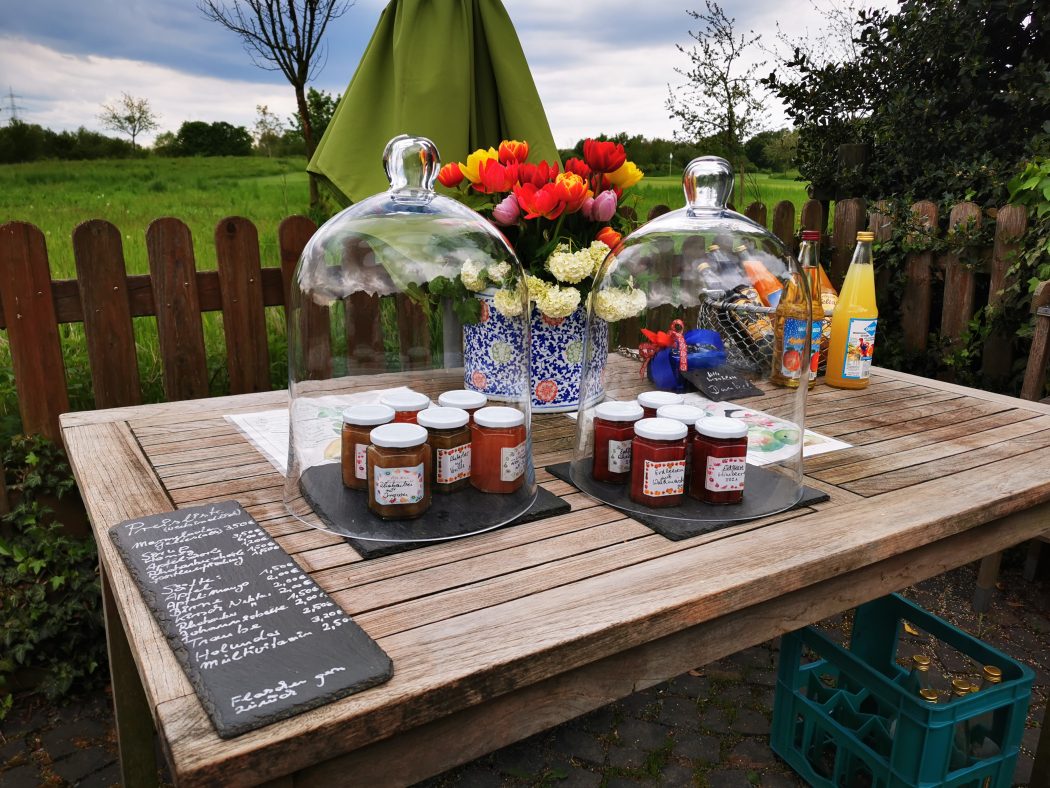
x,y
450,176
543,202
579,166
495,177
572,189
537,174
609,237
513,151
604,156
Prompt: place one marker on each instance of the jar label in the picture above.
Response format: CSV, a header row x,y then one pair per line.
x,y
394,486
791,361
725,474
619,456
663,478
361,460
512,462
453,464
860,344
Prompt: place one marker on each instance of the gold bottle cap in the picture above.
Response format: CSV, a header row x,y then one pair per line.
x,y
992,674
921,661
960,687
713,248
740,248
865,236
974,688
928,695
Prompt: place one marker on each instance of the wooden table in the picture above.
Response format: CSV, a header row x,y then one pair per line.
x,y
504,634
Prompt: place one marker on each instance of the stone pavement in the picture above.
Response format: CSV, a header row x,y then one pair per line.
x,y
709,727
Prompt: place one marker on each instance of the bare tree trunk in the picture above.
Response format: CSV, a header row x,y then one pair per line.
x,y
308,138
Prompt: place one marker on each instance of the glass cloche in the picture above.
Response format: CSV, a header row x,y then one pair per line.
x,y
704,422
388,441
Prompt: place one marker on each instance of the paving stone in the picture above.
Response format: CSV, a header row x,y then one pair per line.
x,y
639,705
752,752
755,657
18,724
12,747
644,735
579,778
108,777
675,776
622,782
520,759
735,695
765,697
25,776
714,719
598,721
697,747
763,678
780,780
690,686
1023,770
82,763
727,673
627,757
728,778
680,713
579,744
750,723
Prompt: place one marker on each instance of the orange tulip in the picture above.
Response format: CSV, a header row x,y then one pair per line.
x,y
609,237
513,151
572,189
536,203
450,176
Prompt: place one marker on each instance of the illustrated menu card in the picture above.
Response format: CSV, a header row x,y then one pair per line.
x,y
258,639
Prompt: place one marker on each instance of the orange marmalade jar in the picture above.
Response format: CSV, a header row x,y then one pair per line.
x,y
358,422
467,400
499,450
398,471
406,404
651,401
448,437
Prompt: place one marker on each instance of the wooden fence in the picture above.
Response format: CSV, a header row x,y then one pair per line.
x,y
104,298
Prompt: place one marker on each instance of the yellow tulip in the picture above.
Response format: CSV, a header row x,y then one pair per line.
x,y
626,176
471,170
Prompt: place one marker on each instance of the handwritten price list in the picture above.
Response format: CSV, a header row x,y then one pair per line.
x,y
258,639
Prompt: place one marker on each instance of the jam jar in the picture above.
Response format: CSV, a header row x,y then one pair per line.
x,y
613,435
658,462
651,401
687,414
499,450
466,399
406,404
448,437
358,422
719,460
399,471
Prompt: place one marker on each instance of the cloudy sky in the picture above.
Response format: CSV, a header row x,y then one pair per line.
x,y
600,65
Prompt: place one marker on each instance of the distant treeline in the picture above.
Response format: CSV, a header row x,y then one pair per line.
x,y
29,142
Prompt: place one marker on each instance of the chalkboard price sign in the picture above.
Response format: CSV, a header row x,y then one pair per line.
x,y
258,639
722,384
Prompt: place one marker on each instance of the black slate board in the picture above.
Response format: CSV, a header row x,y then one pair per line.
x,y
722,384
257,638
759,483
346,511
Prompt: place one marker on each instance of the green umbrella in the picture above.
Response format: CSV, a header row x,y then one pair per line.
x,y
450,70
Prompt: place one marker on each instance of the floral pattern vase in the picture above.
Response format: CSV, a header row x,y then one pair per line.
x,y
557,357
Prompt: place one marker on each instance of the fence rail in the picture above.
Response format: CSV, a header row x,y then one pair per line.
x,y
105,299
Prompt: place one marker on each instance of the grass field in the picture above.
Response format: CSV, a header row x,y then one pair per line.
x,y
57,196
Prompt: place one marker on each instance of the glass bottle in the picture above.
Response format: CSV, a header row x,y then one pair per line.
x,y
448,437
960,754
982,745
729,271
797,313
499,450
765,283
613,439
919,676
853,324
658,462
358,423
398,471
406,404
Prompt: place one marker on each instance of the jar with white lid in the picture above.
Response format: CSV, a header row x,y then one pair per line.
x,y
499,450
467,400
448,436
613,440
651,401
399,471
658,462
406,404
719,460
358,423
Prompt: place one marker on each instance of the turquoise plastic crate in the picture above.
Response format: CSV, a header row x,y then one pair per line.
x,y
846,721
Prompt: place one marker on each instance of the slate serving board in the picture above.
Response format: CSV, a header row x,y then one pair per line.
x,y
346,511
760,483
718,384
258,639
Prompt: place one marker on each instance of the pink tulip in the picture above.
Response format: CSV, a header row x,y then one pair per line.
x,y
604,206
507,212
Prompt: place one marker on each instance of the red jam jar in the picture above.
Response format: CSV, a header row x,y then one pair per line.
x,y
406,404
465,399
719,460
358,423
499,450
652,401
613,436
658,462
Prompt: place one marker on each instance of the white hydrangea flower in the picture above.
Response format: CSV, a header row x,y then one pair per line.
x,y
616,303
498,272
571,267
537,287
507,302
559,301
473,276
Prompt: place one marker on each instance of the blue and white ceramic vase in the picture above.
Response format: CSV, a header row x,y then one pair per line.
x,y
557,357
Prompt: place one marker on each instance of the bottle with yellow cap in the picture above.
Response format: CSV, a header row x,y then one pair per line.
x,y
853,324
981,743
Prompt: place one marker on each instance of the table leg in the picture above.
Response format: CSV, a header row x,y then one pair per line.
x,y
135,731
987,575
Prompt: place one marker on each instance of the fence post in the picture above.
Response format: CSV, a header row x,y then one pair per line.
x,y
784,224
880,223
1010,224
32,329
756,212
959,282
292,236
1035,372
915,303
243,313
850,216
103,284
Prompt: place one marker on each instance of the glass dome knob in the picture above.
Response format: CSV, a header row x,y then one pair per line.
x,y
411,163
707,183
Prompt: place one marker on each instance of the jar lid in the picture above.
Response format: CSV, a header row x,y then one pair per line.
x,y
660,429
499,417
721,427
442,418
656,399
368,415
687,414
619,411
398,436
406,400
463,398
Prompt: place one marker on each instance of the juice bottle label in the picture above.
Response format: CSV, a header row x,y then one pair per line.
x,y
512,462
619,456
663,478
361,460
791,362
725,474
453,464
860,345
399,485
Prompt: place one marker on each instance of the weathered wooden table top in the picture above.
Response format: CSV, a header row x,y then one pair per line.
x,y
474,620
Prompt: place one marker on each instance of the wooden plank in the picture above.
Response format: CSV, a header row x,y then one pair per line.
x,y
915,301
313,323
99,257
36,352
756,212
989,396
243,315
784,224
850,216
997,353
813,216
1039,356
179,330
959,280
413,334
880,222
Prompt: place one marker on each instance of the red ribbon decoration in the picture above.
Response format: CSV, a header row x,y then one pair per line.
x,y
646,350
677,333
658,340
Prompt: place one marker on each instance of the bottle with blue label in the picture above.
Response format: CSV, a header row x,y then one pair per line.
x,y
799,317
853,325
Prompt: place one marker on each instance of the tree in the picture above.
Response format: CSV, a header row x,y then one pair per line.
x,y
129,115
720,97
197,138
320,106
285,36
268,129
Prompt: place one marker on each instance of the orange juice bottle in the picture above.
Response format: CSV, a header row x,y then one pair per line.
x,y
795,316
853,324
768,286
